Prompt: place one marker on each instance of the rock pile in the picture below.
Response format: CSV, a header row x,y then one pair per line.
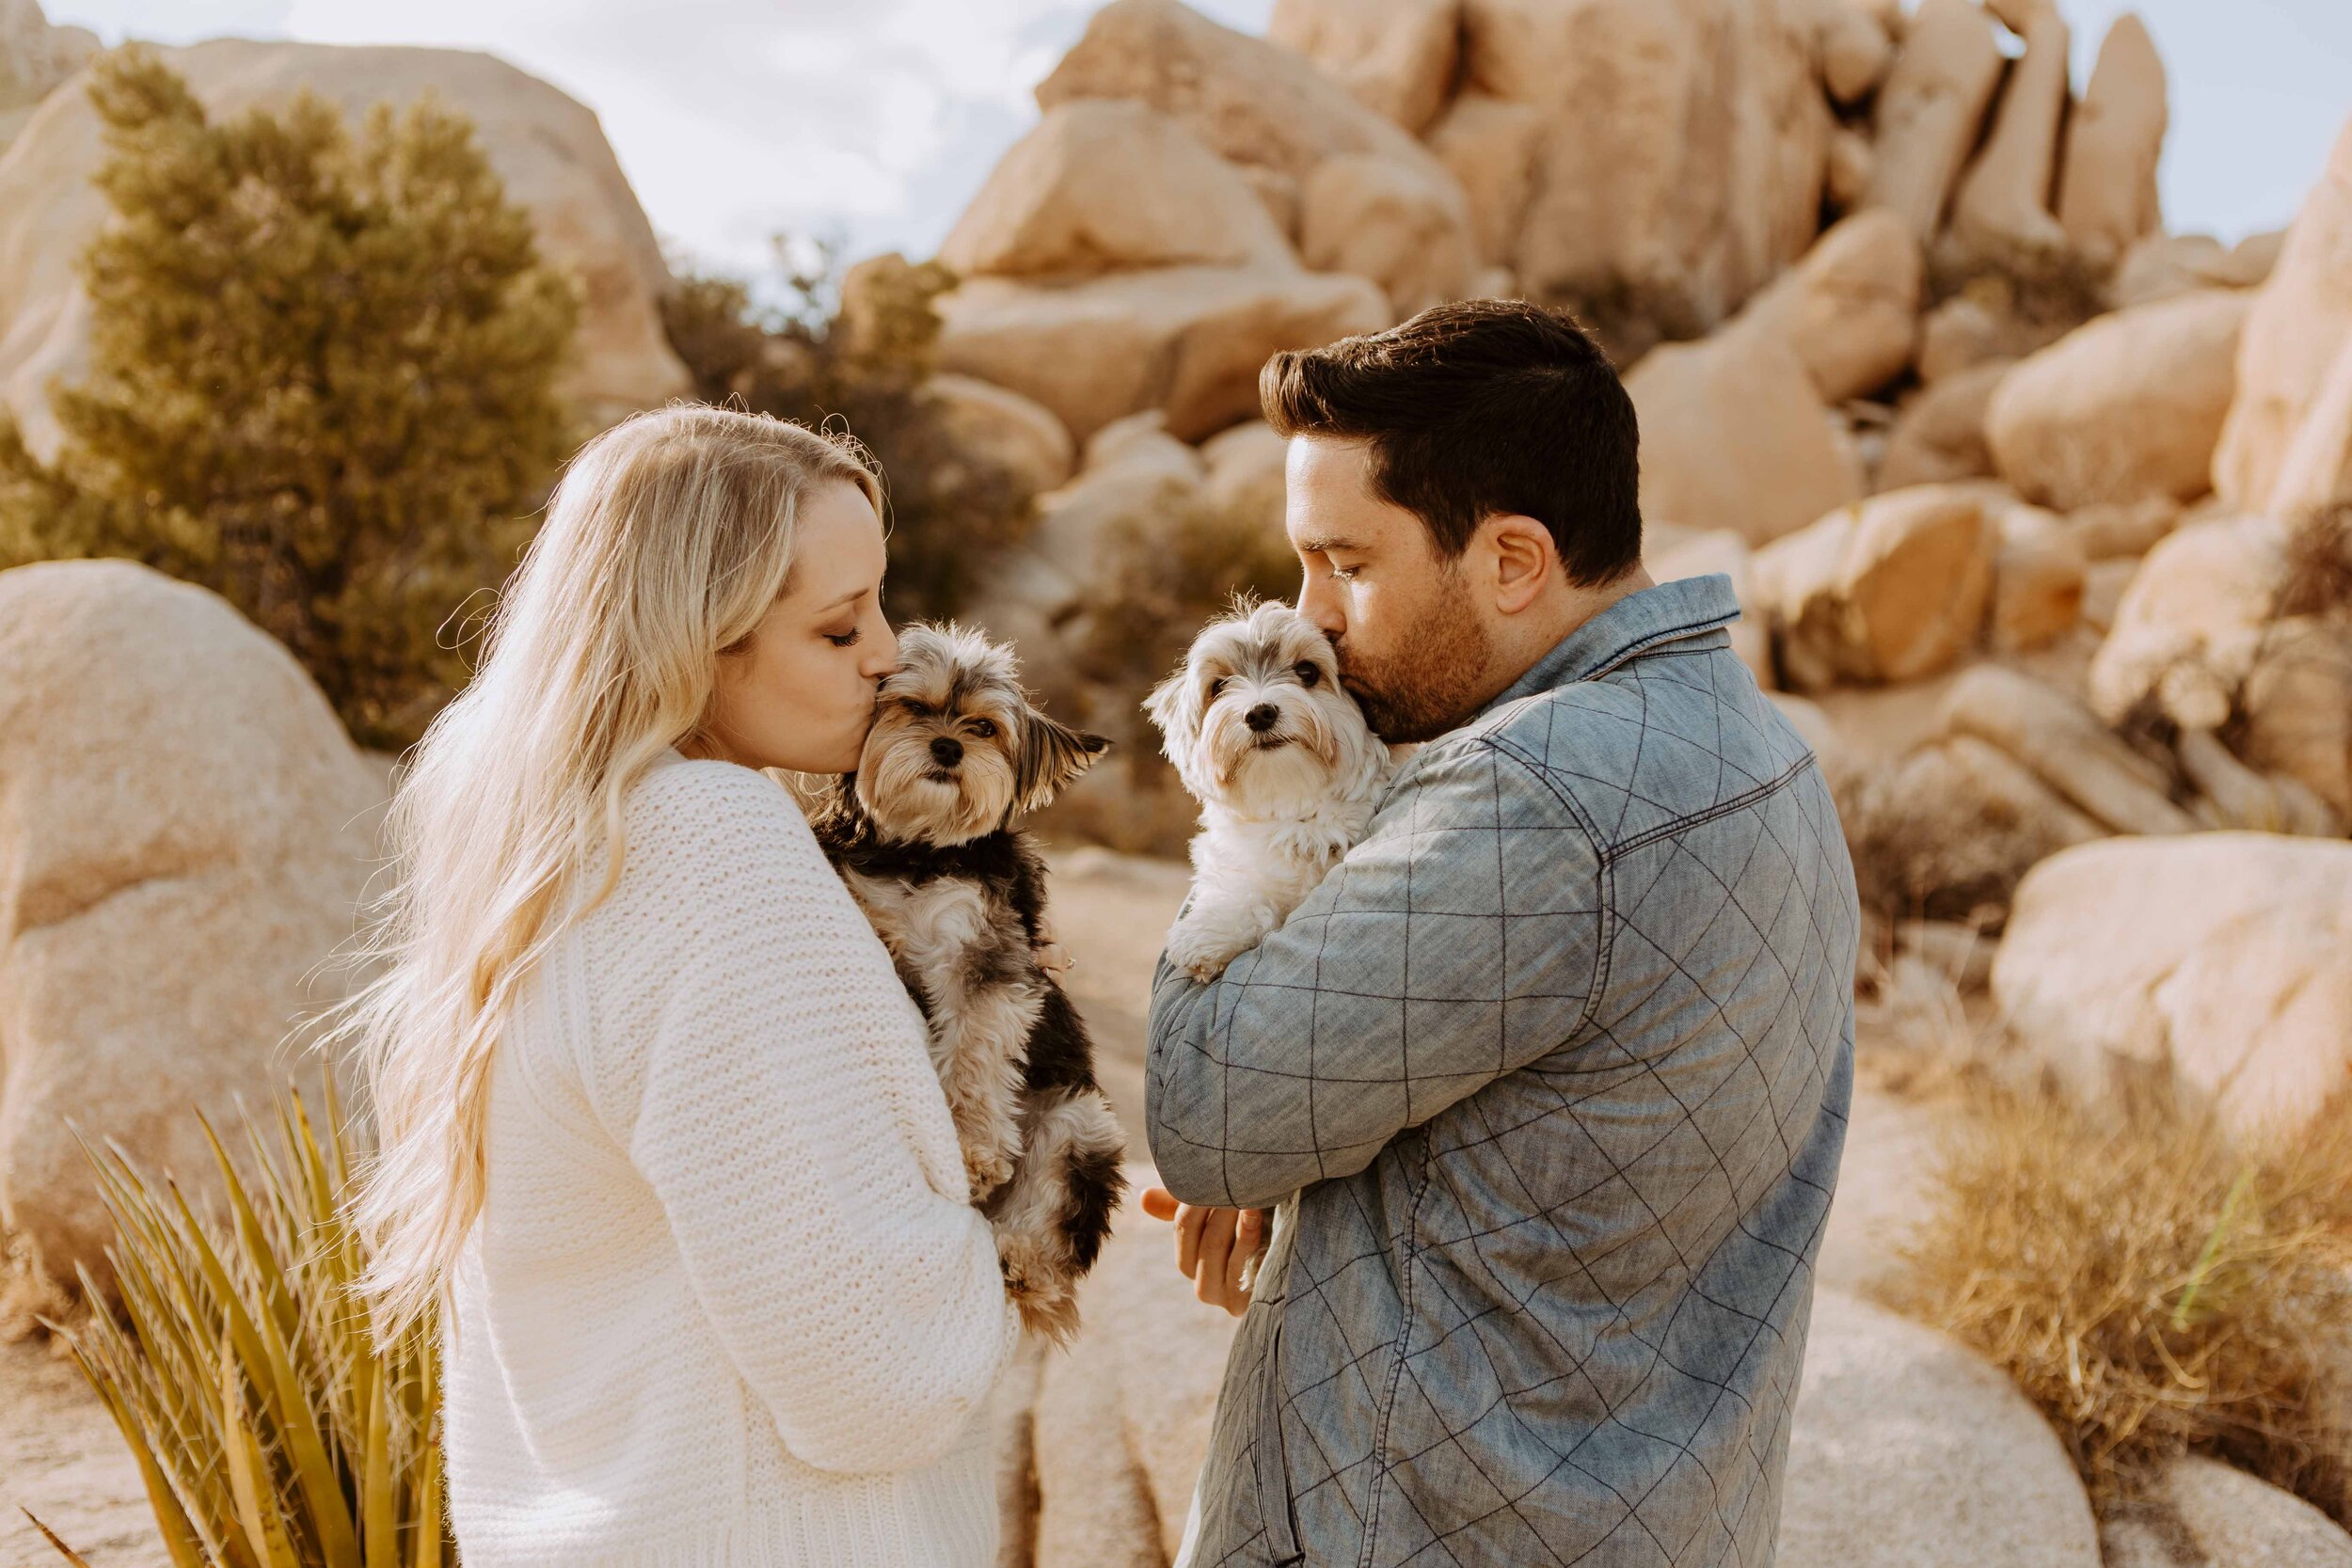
x,y
183,839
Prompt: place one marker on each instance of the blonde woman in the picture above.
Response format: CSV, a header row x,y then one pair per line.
x,y
656,1118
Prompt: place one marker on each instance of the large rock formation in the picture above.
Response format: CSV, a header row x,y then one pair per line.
x,y
34,58
1849,308
1397,57
1892,590
1679,153
1930,108
2288,443
1188,340
2108,186
546,146
1103,184
2127,407
1734,436
181,844
1907,1451
2211,1515
2191,626
1406,226
2002,212
2213,959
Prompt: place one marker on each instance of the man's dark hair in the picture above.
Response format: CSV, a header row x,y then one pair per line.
x,y
1476,409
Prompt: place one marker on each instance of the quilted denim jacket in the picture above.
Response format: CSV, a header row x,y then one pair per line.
x,y
1556,1062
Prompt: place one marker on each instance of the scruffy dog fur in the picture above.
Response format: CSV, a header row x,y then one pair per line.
x,y
922,834
1275,750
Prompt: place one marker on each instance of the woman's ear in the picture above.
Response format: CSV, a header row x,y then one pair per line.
x,y
1051,754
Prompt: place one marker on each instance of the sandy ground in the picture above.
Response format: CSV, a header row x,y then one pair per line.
x,y
61,1456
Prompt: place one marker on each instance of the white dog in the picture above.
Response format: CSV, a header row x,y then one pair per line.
x,y
1287,774
1275,750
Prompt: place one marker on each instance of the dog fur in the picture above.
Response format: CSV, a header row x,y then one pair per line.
x,y
1286,771
923,835
1287,774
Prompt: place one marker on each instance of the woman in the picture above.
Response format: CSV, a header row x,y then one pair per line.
x,y
655,1116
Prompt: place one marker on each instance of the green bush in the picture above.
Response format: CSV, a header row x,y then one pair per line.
x,y
861,363
271,1429
322,381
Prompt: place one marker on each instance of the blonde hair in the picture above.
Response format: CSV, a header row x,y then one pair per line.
x,y
669,537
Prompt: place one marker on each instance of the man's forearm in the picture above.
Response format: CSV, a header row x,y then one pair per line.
x,y
1227,1125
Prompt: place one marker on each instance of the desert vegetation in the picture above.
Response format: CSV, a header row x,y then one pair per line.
x,y
322,381
2157,1287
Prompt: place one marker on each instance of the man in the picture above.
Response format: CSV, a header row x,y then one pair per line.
x,y
1556,1061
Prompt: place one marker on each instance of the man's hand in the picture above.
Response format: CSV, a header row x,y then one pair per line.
x,y
1052,957
1212,1245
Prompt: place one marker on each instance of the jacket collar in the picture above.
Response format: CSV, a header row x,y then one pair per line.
x,y
1688,606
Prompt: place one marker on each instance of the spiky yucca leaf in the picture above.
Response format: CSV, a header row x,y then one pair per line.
x,y
270,1429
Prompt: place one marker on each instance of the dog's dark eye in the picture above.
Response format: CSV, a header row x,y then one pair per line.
x,y
984,728
1217,687
1308,673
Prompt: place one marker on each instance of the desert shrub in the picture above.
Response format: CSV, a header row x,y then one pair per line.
x,y
2154,1287
855,349
1164,576
321,383
268,1424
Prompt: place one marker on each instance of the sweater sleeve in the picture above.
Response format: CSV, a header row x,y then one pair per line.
x,y
784,1116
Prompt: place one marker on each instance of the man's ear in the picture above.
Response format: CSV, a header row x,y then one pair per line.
x,y
1526,560
1051,754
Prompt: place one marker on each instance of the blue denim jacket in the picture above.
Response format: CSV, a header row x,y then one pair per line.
x,y
1556,1062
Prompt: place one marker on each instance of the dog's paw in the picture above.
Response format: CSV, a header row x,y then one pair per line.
x,y
1042,1289
1199,952
986,1169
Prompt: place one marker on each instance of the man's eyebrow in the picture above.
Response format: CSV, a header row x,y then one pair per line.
x,y
1323,543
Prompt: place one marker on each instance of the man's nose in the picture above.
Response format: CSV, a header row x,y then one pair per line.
x,y
1261,719
947,750
1320,604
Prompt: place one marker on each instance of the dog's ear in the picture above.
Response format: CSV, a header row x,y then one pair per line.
x,y
1051,754
1174,706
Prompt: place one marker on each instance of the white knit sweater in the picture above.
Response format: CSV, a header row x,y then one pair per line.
x,y
727,1305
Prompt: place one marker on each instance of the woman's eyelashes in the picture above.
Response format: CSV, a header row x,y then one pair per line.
x,y
848,638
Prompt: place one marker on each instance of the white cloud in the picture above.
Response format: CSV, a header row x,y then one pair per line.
x,y
735,118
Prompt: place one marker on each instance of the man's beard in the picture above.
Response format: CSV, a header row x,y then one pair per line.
x,y
1435,680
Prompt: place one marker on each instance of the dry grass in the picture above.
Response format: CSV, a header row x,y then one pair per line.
x,y
2153,1289
270,1429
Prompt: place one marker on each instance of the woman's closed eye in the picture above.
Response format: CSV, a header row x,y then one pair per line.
x,y
846,639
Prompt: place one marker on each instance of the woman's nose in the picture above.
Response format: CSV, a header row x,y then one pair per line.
x,y
881,658
947,750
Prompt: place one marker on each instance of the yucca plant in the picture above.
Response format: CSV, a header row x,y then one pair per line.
x,y
271,1430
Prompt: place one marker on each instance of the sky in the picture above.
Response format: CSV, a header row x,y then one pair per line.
x,y
871,123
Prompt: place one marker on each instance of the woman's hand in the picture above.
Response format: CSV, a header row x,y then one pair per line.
x,y
1213,1246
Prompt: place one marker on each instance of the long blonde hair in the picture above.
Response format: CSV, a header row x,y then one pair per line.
x,y
668,539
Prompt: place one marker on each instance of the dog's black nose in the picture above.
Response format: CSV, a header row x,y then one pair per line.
x,y
947,750
1260,718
